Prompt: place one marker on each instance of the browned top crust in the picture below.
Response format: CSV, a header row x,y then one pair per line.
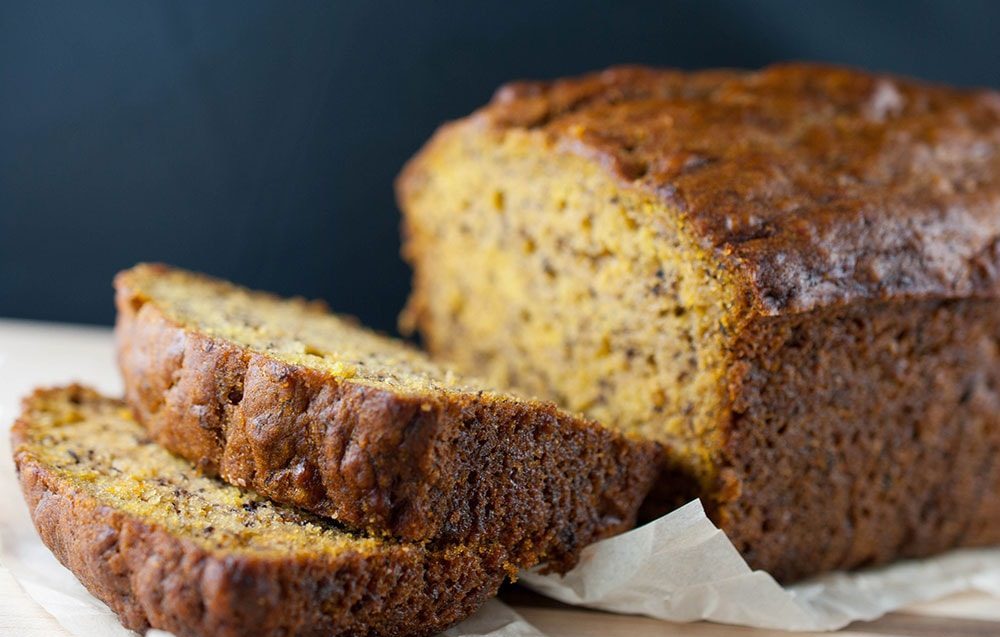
x,y
816,185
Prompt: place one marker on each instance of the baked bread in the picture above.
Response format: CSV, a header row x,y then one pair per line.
x,y
790,276
167,548
312,410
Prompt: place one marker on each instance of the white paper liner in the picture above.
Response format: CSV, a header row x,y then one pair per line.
x,y
682,568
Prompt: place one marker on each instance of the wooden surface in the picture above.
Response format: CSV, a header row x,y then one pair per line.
x,y
964,615
40,354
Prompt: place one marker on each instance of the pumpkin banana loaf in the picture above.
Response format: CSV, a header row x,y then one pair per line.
x,y
168,548
314,411
790,276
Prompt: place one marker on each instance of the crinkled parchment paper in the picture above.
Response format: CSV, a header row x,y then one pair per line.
x,y
682,568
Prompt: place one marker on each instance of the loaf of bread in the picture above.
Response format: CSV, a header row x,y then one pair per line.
x,y
789,276
167,548
314,411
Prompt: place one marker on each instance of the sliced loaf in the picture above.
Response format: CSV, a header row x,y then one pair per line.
x,y
168,548
790,276
315,411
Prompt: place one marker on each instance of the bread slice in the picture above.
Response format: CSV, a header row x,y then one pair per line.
x,y
789,276
312,410
166,547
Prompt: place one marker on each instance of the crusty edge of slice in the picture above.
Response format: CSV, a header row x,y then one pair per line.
x,y
461,468
152,577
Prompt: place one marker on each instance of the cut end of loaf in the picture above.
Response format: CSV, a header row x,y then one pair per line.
x,y
618,314
94,443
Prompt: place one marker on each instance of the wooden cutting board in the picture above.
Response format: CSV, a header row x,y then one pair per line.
x,y
963,615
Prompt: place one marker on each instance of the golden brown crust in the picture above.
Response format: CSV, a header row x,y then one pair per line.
x,y
818,185
861,435
448,468
152,577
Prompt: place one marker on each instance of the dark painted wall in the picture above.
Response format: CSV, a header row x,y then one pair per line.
x,y
259,140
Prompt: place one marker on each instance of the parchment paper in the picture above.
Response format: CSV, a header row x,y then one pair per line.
x,y
682,568
679,567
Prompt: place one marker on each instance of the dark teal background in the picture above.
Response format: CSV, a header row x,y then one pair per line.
x,y
259,140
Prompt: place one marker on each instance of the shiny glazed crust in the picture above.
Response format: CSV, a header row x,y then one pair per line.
x,y
448,467
152,577
817,185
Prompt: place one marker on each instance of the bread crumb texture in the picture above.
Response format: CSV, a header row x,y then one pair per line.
x,y
292,330
97,445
